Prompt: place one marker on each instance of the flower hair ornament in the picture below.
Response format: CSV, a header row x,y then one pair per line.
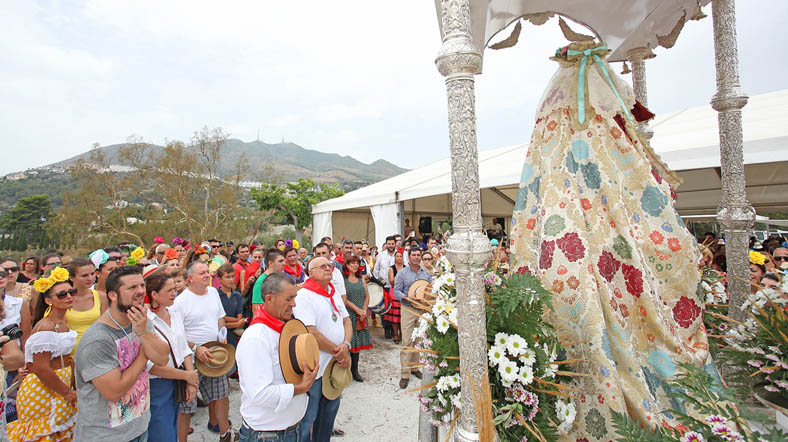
x,y
98,257
289,243
59,274
158,240
135,256
295,244
171,254
177,241
757,258
201,251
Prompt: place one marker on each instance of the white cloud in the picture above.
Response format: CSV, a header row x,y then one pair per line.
x,y
356,78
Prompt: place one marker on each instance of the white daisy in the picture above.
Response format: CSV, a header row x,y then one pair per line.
x,y
442,324
443,384
526,375
516,345
528,357
549,370
453,315
501,339
509,371
496,355
454,381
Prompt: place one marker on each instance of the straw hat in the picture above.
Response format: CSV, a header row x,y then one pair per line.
x,y
418,289
149,269
296,346
221,361
335,379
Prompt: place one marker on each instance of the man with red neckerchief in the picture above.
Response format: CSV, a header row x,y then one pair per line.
x,y
270,407
320,307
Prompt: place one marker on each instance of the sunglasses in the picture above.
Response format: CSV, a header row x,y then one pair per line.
x,y
12,269
776,258
64,293
54,264
325,266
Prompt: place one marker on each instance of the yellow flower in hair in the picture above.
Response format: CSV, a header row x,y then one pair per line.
x,y
59,274
138,253
295,244
41,285
757,258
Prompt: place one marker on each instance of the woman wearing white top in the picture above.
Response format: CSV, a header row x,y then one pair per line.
x,y
46,402
160,288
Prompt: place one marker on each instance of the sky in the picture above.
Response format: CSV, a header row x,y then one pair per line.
x,y
355,77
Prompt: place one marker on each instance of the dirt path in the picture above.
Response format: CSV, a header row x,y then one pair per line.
x,y
373,411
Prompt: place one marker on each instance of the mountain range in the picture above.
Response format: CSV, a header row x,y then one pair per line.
x,y
288,161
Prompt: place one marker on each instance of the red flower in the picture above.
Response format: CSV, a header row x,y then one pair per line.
x,y
600,398
585,203
656,237
572,246
573,282
608,266
633,278
552,124
546,257
523,270
673,195
685,312
558,287
531,223
624,310
674,244
615,132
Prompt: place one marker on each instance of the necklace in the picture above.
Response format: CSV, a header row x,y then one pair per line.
x,y
131,341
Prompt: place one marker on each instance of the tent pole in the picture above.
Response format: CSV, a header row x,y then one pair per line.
x,y
734,213
468,249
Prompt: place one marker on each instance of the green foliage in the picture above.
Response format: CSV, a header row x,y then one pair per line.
x,y
40,182
701,391
294,200
518,307
28,215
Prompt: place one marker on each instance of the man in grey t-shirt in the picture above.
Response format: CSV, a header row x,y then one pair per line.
x,y
112,380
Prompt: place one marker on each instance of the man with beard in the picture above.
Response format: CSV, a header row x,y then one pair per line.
x,y
111,365
203,321
241,263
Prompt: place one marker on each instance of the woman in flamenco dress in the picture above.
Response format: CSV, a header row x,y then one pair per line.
x,y
594,219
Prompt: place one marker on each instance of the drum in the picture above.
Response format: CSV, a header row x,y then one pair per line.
x,y
377,300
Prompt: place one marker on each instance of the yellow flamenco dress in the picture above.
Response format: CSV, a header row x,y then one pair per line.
x,y
43,414
594,219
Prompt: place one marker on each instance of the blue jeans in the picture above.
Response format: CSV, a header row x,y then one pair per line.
x,y
320,415
289,435
141,438
163,426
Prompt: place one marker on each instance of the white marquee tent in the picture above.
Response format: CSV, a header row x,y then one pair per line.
x,y
687,140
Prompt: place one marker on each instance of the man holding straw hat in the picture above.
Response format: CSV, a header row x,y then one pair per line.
x,y
277,364
410,286
320,307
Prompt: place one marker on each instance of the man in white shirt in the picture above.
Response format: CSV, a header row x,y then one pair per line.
x,y
270,407
203,321
319,306
337,280
383,263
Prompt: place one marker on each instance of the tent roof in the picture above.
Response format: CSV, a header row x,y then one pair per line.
x,y
686,140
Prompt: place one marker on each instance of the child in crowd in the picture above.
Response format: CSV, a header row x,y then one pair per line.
x,y
179,277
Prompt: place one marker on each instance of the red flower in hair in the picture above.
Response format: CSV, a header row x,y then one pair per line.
x,y
171,254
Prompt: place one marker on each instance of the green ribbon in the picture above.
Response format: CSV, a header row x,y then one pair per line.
x,y
581,82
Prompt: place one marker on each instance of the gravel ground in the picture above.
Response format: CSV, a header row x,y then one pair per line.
x,y
373,411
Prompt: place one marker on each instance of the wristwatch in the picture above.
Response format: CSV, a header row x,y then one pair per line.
x,y
347,343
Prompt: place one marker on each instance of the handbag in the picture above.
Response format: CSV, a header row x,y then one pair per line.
x,y
180,384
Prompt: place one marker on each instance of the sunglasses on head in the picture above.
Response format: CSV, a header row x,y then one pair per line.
x,y
64,293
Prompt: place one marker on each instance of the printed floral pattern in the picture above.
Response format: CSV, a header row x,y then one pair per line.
x,y
624,274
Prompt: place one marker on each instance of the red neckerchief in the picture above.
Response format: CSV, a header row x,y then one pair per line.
x,y
263,317
312,286
296,273
340,259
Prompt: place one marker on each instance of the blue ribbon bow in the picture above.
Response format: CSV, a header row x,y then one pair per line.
x,y
581,82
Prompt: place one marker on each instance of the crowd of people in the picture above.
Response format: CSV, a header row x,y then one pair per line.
x,y
125,345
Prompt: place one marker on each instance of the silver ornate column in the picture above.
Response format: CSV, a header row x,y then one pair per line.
x,y
638,57
734,213
468,249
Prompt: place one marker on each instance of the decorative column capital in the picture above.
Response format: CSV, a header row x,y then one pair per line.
x,y
458,56
640,54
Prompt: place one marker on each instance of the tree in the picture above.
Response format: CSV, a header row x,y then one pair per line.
x,y
26,220
294,200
